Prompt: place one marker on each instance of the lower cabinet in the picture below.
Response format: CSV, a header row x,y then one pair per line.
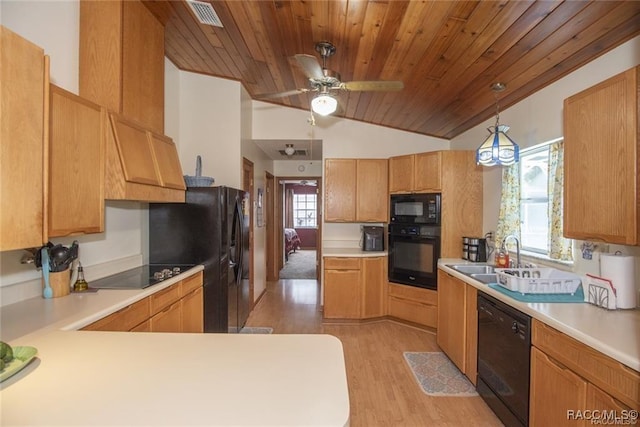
x,y
178,308
354,288
457,333
413,304
571,382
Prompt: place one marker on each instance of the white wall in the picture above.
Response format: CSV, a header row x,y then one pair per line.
x,y
341,138
537,119
55,27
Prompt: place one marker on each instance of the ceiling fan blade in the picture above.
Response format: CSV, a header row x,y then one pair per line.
x,y
379,85
310,65
282,94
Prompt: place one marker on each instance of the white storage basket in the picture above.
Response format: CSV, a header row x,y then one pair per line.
x,y
538,280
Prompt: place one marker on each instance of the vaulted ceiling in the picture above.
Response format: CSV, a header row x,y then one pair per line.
x,y
447,53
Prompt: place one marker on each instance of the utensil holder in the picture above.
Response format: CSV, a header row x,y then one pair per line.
x,y
59,282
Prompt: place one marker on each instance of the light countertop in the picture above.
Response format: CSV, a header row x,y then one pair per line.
x,y
86,378
615,333
351,252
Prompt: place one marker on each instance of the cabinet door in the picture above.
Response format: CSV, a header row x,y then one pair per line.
x,y
451,318
342,294
76,165
471,333
554,390
142,66
193,311
371,191
24,77
374,286
340,190
600,161
168,162
135,150
598,400
427,171
401,174
168,320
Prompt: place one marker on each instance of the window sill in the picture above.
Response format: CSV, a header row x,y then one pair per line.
x,y
539,259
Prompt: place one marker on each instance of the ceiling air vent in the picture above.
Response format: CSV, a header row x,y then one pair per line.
x,y
295,153
205,13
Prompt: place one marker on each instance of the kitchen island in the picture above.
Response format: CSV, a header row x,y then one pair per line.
x,y
173,379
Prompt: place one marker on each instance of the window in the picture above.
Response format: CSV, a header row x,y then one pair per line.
x,y
304,210
531,202
534,200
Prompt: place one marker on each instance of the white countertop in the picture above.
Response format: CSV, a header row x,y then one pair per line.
x,y
351,252
89,378
615,333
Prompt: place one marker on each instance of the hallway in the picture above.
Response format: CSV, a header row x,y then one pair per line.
x,y
382,389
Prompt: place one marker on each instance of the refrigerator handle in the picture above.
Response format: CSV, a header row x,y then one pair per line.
x,y
237,224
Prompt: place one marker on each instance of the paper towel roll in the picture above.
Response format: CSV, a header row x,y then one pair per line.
x,y
620,269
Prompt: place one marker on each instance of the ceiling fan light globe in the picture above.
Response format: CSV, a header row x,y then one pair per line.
x,y
324,104
289,150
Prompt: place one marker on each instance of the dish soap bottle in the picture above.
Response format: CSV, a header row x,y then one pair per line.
x,y
502,257
81,284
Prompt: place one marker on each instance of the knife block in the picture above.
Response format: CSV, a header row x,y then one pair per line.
x,y
59,282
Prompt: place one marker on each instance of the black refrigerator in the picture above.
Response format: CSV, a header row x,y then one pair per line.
x,y
210,228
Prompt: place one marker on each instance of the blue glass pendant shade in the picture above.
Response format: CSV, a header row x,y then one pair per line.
x,y
498,148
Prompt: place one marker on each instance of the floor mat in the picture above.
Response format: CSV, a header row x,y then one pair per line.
x,y
437,375
256,330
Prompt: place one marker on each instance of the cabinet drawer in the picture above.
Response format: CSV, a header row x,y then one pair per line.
x,y
412,311
165,297
414,293
613,377
168,320
191,283
340,263
124,319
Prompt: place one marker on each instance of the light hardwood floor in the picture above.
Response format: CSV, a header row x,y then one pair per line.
x,y
382,389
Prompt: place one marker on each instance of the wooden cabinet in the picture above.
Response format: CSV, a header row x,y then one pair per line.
x,y
413,304
372,202
125,319
374,287
76,164
122,60
451,335
24,76
456,176
457,333
193,311
601,161
568,375
342,288
355,190
177,308
168,320
141,165
354,288
554,391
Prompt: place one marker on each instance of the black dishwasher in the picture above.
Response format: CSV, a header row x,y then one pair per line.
x,y
504,348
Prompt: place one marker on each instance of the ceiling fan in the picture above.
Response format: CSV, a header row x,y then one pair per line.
x,y
324,81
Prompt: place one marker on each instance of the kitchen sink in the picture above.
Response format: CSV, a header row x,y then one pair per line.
x,y
471,269
485,277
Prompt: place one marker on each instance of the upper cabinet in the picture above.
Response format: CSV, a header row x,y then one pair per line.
x,y
141,165
415,173
122,60
355,190
24,83
601,161
76,164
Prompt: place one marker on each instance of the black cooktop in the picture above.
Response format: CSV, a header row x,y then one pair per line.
x,y
140,277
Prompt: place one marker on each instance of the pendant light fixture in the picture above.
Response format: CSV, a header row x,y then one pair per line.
x,y
498,148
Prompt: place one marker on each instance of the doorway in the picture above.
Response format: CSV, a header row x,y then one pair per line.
x,y
298,231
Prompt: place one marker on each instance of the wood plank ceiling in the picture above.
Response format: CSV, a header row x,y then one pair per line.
x,y
447,53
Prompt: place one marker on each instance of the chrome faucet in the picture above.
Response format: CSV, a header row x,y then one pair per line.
x,y
504,243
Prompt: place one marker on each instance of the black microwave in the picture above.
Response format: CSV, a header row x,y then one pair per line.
x,y
415,208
